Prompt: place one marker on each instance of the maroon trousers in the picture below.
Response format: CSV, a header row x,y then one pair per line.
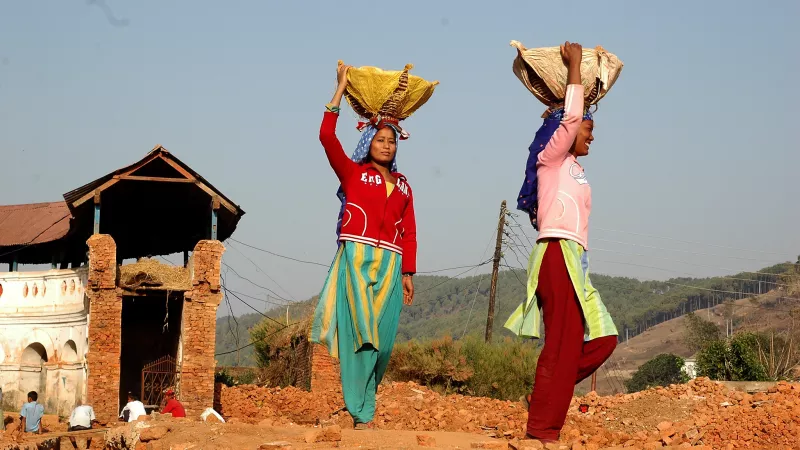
x,y
566,359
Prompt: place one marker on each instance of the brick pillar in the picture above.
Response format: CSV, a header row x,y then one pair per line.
x,y
198,331
325,372
105,328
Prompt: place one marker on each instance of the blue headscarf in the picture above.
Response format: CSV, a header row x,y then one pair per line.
x,y
527,200
360,156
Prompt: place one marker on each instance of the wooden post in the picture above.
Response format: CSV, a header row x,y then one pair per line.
x,y
495,267
97,212
186,258
13,266
214,214
594,382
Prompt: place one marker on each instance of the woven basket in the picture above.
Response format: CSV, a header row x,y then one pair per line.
x,y
373,92
543,72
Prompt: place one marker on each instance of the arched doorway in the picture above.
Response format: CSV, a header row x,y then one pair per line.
x,y
33,374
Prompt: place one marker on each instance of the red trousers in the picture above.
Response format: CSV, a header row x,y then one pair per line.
x,y
566,359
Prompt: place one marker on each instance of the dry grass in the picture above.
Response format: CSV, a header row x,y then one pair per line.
x,y
151,274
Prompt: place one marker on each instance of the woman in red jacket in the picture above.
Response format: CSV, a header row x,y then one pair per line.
x,y
371,276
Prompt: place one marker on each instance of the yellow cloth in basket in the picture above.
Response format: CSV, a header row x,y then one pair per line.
x,y
373,92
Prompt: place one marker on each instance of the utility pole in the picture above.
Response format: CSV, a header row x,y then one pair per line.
x,y
287,315
495,267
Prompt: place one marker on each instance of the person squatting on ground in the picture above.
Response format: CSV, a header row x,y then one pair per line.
x,y
133,409
172,405
580,334
371,276
82,418
30,415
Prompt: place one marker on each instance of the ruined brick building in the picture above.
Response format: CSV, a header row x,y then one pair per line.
x,y
105,319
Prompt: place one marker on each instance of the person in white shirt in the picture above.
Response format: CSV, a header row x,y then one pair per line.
x,y
81,418
133,409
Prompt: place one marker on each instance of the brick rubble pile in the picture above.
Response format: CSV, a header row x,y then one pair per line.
x,y
701,414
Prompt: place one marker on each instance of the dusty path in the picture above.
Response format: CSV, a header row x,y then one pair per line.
x,y
243,436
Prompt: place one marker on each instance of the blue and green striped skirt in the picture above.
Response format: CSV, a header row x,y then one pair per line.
x,y
356,319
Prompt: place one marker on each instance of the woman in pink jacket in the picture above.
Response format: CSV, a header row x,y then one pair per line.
x,y
557,196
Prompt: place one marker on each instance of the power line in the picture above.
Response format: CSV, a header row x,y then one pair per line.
x,y
522,230
255,342
700,288
516,256
251,307
607,261
723,291
327,266
449,268
618,384
231,315
449,279
256,284
694,287
282,305
685,251
689,242
29,243
519,240
514,272
480,280
611,381
680,261
265,273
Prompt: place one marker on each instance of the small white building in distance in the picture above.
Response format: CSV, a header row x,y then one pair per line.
x,y
690,367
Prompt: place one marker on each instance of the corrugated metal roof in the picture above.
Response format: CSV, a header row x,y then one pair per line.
x,y
34,223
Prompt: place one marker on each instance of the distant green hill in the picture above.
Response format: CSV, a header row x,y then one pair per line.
x,y
445,306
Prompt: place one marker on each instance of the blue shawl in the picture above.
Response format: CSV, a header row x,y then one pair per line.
x,y
528,200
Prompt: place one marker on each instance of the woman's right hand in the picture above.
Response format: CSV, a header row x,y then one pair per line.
x,y
572,54
341,75
341,79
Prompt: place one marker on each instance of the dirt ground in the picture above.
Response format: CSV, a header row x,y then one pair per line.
x,y
700,414
667,337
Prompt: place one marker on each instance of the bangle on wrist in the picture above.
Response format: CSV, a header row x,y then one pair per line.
x,y
332,108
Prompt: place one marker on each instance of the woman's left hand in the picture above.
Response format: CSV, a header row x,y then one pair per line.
x,y
408,291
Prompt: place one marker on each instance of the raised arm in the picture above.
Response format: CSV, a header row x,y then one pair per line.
x,y
557,149
338,159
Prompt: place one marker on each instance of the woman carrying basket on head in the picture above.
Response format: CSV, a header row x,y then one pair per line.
x,y
557,196
371,276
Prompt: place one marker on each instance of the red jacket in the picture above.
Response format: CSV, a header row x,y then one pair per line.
x,y
173,406
370,217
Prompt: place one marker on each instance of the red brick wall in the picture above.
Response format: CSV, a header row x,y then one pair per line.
x,y
325,373
199,328
105,328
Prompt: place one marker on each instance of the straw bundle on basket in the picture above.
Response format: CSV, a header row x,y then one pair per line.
x,y
542,71
374,92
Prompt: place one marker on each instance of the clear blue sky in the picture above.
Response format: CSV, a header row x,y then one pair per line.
x,y
697,141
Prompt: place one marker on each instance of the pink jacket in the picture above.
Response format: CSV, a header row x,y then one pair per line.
x,y
565,197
